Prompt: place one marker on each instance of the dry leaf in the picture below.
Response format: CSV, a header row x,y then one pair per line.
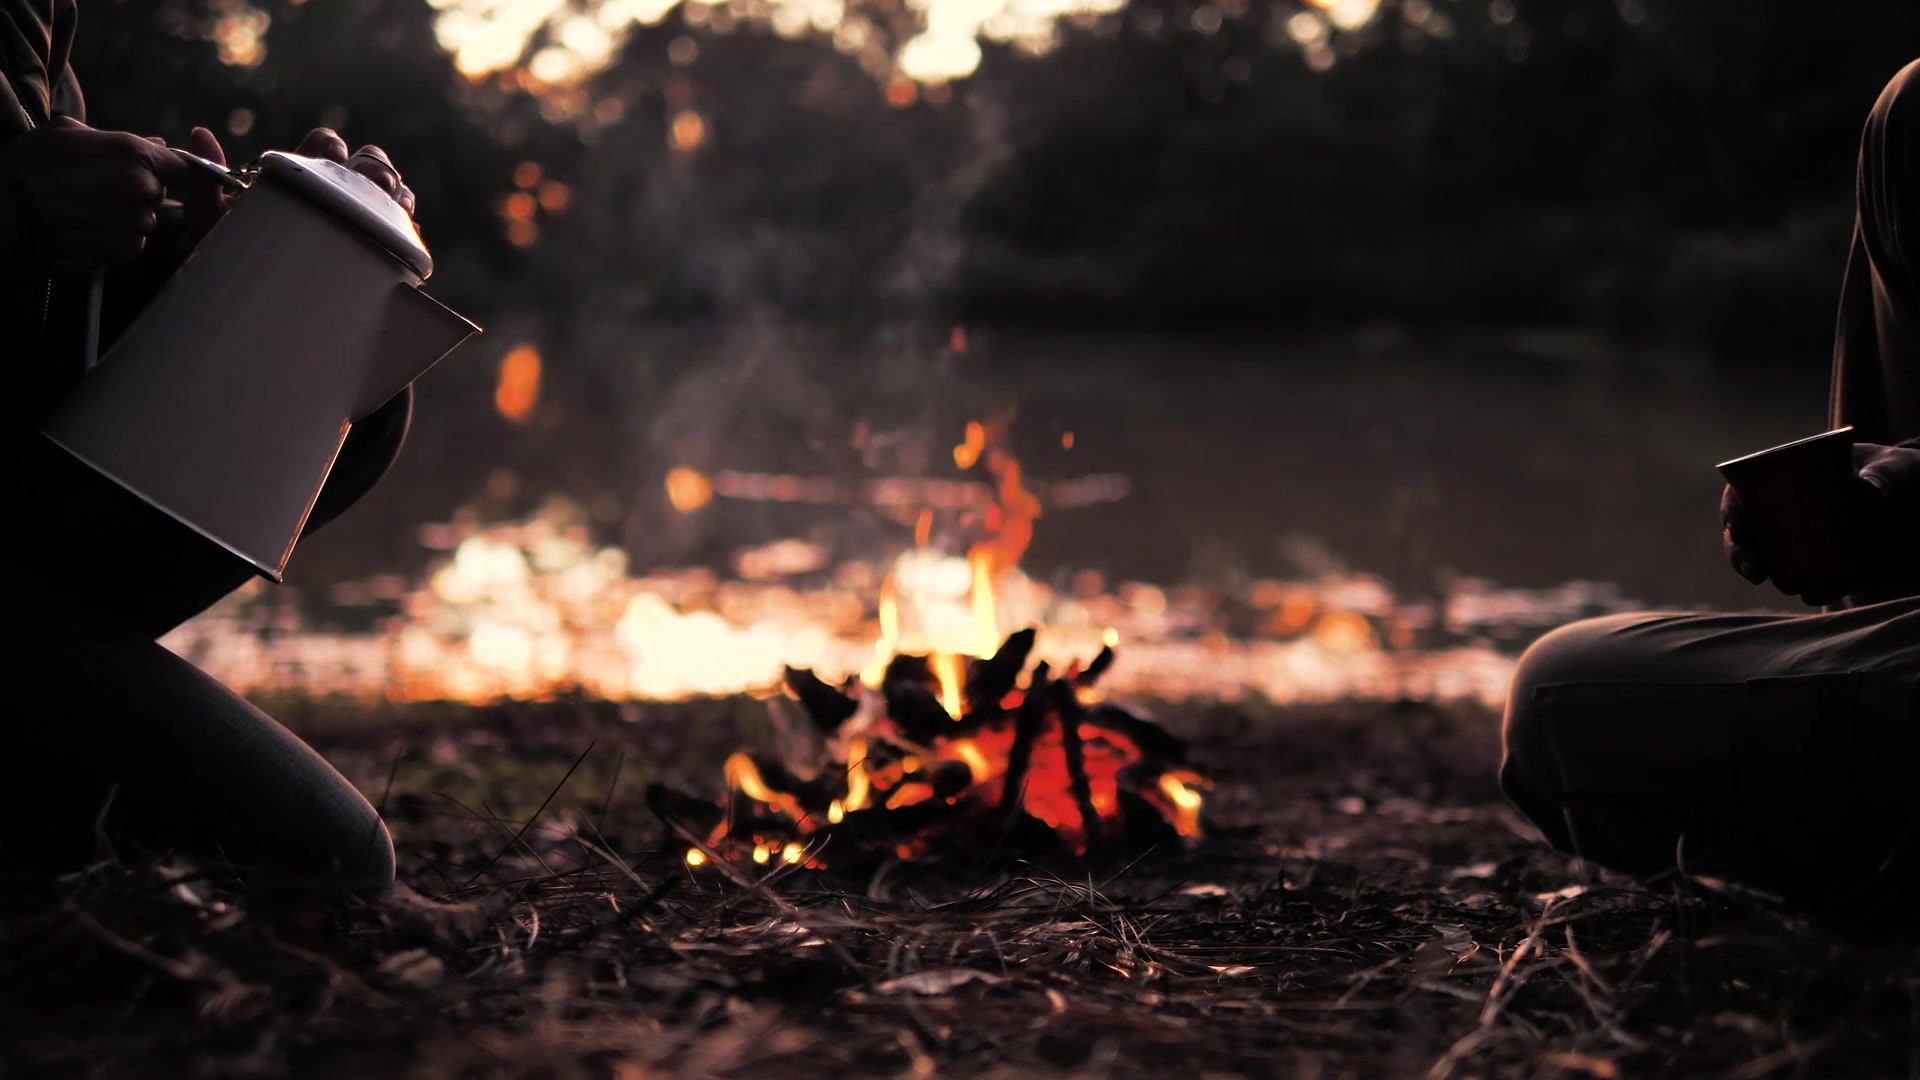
x,y
415,969
411,913
937,981
1442,953
1572,1062
1477,870
232,1003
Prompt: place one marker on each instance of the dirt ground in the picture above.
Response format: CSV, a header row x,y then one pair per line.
x,y
1365,905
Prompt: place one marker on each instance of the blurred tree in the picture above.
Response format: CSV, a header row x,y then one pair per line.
x,y
1661,167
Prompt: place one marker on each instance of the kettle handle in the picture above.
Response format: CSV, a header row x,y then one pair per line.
x,y
225,177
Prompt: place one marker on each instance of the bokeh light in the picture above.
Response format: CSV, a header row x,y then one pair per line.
x,y
688,489
518,389
552,45
240,32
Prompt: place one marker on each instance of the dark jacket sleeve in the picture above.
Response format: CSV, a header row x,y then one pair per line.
x,y
131,287
41,321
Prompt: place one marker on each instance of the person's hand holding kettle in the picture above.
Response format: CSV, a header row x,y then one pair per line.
x,y
208,202
80,199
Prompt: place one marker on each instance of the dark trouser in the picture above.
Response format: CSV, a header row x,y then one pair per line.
x,y
1777,750
110,729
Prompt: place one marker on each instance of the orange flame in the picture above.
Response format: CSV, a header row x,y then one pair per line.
x,y
986,623
1183,789
858,784
947,668
1010,520
744,776
968,452
889,636
1009,525
969,751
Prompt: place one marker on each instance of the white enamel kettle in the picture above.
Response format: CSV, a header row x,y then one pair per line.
x,y
227,400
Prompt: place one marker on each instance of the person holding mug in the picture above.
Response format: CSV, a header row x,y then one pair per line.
x,y
1774,750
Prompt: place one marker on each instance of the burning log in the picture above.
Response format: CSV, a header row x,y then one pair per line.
x,y
1066,712
991,679
949,754
1027,723
825,705
1101,662
913,703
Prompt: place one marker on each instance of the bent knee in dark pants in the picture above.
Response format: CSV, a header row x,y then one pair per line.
x,y
1774,749
117,732
135,742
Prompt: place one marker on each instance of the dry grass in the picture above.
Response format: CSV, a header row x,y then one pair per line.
x,y
1366,906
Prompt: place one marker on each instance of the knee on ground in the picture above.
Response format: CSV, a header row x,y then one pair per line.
x,y
1585,651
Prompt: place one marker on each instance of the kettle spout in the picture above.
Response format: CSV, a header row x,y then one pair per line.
x,y
417,332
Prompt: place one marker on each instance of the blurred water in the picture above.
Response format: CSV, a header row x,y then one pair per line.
x,y
1527,461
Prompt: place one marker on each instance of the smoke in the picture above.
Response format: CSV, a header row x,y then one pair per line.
x,y
930,255
816,352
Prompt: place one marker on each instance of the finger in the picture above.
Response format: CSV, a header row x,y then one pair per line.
x,y
373,151
202,142
378,170
208,202
131,185
1789,584
156,140
137,186
1745,563
163,166
406,199
323,143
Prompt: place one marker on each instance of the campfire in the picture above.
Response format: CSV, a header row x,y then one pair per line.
x,y
949,754
927,754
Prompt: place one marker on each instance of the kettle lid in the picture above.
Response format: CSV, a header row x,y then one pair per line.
x,y
353,199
